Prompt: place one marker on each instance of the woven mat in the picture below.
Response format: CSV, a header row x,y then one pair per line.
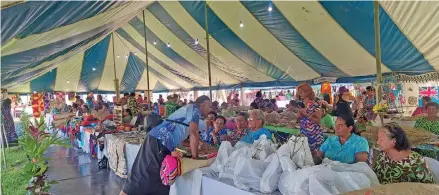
x,y
399,189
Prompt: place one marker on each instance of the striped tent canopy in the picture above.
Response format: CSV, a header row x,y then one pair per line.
x,y
84,46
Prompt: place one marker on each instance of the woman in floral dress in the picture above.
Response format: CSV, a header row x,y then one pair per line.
x,y
369,103
430,123
8,121
397,163
310,117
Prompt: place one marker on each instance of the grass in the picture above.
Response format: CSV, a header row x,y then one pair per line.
x,y
14,181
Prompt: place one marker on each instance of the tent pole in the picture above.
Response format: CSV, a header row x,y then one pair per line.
x,y
376,7
116,81
146,56
208,49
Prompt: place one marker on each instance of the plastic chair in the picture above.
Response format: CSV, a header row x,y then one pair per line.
x,y
433,165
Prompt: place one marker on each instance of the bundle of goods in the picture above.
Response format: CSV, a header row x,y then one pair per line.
x,y
415,136
284,119
61,119
404,188
272,119
126,127
239,109
331,177
245,164
408,118
90,121
381,107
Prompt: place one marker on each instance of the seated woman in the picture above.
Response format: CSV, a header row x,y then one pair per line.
x,y
128,116
241,128
327,120
431,121
215,135
422,110
397,163
256,124
345,147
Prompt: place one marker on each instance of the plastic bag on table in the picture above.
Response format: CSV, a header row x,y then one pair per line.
x,y
360,167
327,181
229,167
270,177
248,173
296,182
262,148
297,150
224,152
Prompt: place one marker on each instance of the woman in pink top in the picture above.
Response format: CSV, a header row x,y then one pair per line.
x,y
421,110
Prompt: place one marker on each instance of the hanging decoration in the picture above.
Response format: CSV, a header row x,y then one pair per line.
x,y
433,76
71,96
430,91
326,90
37,104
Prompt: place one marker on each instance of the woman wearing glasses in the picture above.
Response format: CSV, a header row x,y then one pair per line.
x,y
256,124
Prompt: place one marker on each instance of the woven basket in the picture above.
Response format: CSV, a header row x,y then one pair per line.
x,y
399,189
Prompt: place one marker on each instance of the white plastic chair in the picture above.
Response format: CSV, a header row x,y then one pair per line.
x,y
433,165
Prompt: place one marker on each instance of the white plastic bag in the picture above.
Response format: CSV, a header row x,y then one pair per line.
x,y
224,152
296,182
271,175
262,148
297,150
327,181
248,173
229,167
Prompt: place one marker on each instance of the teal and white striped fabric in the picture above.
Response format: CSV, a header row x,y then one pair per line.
x,y
68,46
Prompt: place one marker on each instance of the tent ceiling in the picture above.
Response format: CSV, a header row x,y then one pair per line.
x,y
49,46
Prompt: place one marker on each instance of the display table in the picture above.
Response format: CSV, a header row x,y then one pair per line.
x,y
204,181
121,150
283,129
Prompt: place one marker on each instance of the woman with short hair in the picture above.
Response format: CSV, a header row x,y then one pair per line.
x,y
397,163
256,124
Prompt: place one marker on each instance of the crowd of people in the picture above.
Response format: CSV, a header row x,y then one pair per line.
x,y
346,146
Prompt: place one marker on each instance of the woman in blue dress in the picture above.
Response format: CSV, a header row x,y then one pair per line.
x,y
161,141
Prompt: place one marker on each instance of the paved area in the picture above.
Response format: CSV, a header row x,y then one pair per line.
x,y
77,173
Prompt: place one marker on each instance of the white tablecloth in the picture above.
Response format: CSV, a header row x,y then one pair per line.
x,y
206,182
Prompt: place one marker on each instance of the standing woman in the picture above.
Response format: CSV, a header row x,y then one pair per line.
x,y
7,119
369,102
310,117
99,104
343,102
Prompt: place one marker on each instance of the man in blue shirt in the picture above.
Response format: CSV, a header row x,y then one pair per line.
x,y
161,141
256,124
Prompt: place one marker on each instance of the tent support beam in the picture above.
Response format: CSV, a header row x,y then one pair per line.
x,y
208,50
376,13
116,81
146,57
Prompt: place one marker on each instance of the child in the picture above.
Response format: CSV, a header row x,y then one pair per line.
x,y
327,120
